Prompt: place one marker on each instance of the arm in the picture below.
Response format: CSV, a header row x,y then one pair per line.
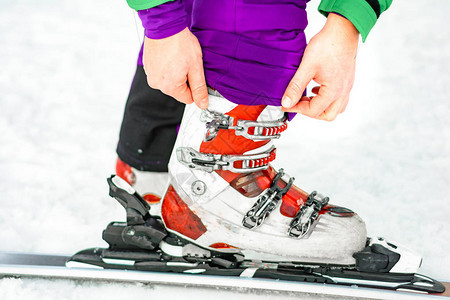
x,y
363,14
172,54
329,59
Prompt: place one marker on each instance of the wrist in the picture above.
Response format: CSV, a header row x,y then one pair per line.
x,y
342,26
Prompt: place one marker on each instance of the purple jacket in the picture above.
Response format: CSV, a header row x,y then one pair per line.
x,y
251,48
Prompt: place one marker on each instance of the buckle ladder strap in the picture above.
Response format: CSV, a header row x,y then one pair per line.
x,y
236,163
266,203
307,217
253,130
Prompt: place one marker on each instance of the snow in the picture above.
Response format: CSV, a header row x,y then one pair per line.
x,y
13,289
65,71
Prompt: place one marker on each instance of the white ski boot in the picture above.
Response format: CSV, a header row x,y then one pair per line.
x,y
150,185
223,194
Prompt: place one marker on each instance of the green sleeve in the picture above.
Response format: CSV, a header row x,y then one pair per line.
x,y
362,13
145,4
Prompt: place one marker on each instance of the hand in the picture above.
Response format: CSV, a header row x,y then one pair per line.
x,y
329,59
174,65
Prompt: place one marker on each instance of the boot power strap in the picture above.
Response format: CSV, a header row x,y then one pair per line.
x,y
235,163
252,130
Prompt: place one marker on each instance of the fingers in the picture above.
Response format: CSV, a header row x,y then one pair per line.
x,y
297,86
331,113
344,104
327,105
182,93
174,65
197,84
316,105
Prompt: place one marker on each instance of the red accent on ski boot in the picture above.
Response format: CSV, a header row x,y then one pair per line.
x,y
151,198
222,246
125,172
146,183
177,216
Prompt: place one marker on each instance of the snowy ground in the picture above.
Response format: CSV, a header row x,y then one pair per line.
x,y
65,70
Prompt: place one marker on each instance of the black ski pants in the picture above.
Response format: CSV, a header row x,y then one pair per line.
x,y
149,126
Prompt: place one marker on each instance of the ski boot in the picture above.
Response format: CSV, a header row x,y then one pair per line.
x,y
224,195
150,185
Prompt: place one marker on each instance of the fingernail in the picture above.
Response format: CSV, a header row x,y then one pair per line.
x,y
286,102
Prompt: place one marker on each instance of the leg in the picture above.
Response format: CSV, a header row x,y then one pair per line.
x,y
149,126
147,135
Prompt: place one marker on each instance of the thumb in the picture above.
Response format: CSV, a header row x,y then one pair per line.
x,y
197,84
297,86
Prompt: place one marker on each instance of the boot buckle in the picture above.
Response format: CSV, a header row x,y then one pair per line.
x,y
259,131
266,203
214,121
209,162
307,217
252,130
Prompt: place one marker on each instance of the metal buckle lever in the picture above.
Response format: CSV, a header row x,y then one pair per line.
x,y
243,129
308,216
262,130
266,203
211,162
214,121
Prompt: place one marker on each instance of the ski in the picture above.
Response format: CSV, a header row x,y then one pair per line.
x,y
157,261
26,265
